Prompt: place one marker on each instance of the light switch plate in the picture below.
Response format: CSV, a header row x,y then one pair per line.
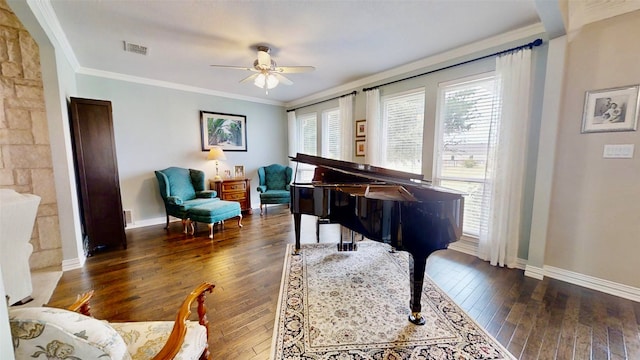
x,y
618,151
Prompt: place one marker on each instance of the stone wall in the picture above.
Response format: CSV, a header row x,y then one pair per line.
x,y
25,153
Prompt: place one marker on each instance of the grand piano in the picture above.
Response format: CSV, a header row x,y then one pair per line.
x,y
394,207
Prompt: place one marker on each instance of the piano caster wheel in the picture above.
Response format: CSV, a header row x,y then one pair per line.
x,y
417,319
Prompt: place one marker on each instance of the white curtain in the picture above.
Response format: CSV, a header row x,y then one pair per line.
x,y
502,198
346,127
373,139
293,135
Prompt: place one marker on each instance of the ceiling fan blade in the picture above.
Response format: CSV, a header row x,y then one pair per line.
x,y
234,67
249,78
294,69
264,59
282,79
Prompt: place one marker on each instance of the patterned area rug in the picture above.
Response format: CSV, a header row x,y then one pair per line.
x,y
354,305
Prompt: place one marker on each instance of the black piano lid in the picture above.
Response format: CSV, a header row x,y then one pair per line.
x,y
380,174
356,168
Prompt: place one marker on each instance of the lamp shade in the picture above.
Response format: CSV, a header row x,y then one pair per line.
x,y
270,80
216,153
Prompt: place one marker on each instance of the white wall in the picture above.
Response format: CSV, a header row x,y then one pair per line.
x,y
594,219
159,127
58,79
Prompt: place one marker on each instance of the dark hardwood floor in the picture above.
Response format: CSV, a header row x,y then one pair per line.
x,y
547,319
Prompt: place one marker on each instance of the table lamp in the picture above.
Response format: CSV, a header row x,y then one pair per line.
x,y
216,153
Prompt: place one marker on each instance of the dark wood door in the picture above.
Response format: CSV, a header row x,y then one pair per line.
x,y
97,173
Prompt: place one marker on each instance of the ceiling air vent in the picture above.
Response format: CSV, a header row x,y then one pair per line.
x,y
134,48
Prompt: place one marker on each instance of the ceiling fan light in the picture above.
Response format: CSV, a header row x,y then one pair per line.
x,y
268,79
272,81
260,80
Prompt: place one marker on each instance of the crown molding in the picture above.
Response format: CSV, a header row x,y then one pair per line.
x,y
466,50
171,85
46,16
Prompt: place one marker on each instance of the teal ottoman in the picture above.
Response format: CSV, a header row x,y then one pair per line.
x,y
214,212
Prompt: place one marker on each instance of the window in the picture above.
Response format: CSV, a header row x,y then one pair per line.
x,y
331,135
308,129
402,124
464,125
307,144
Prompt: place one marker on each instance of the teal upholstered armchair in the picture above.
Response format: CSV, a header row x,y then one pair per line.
x,y
274,185
182,189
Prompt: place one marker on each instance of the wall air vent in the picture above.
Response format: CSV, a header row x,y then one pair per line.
x,y
135,48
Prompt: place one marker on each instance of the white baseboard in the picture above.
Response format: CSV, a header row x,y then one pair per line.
x,y
534,272
150,222
464,247
471,248
161,221
72,264
605,286
590,282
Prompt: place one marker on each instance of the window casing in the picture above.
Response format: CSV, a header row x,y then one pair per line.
x,y
466,109
402,127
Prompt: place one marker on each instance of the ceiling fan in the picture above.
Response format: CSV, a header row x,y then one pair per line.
x,y
267,73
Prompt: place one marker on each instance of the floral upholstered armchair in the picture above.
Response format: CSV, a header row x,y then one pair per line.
x,y
274,185
182,189
73,334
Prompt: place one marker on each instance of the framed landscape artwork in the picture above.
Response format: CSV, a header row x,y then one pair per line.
x,y
228,131
613,109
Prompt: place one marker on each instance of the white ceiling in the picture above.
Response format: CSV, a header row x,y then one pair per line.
x,y
344,40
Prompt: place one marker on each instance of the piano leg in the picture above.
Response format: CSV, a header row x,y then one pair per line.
x,y
416,276
297,218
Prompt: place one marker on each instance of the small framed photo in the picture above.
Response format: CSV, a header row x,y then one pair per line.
x,y
227,174
227,131
614,109
238,172
361,147
361,127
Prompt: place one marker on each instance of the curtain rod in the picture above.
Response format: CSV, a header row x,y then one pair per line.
x,y
320,102
536,42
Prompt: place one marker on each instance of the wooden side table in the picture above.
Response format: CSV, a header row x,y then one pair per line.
x,y
234,190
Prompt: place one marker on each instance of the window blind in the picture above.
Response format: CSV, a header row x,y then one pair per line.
x,y
308,134
331,138
307,144
464,123
403,121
